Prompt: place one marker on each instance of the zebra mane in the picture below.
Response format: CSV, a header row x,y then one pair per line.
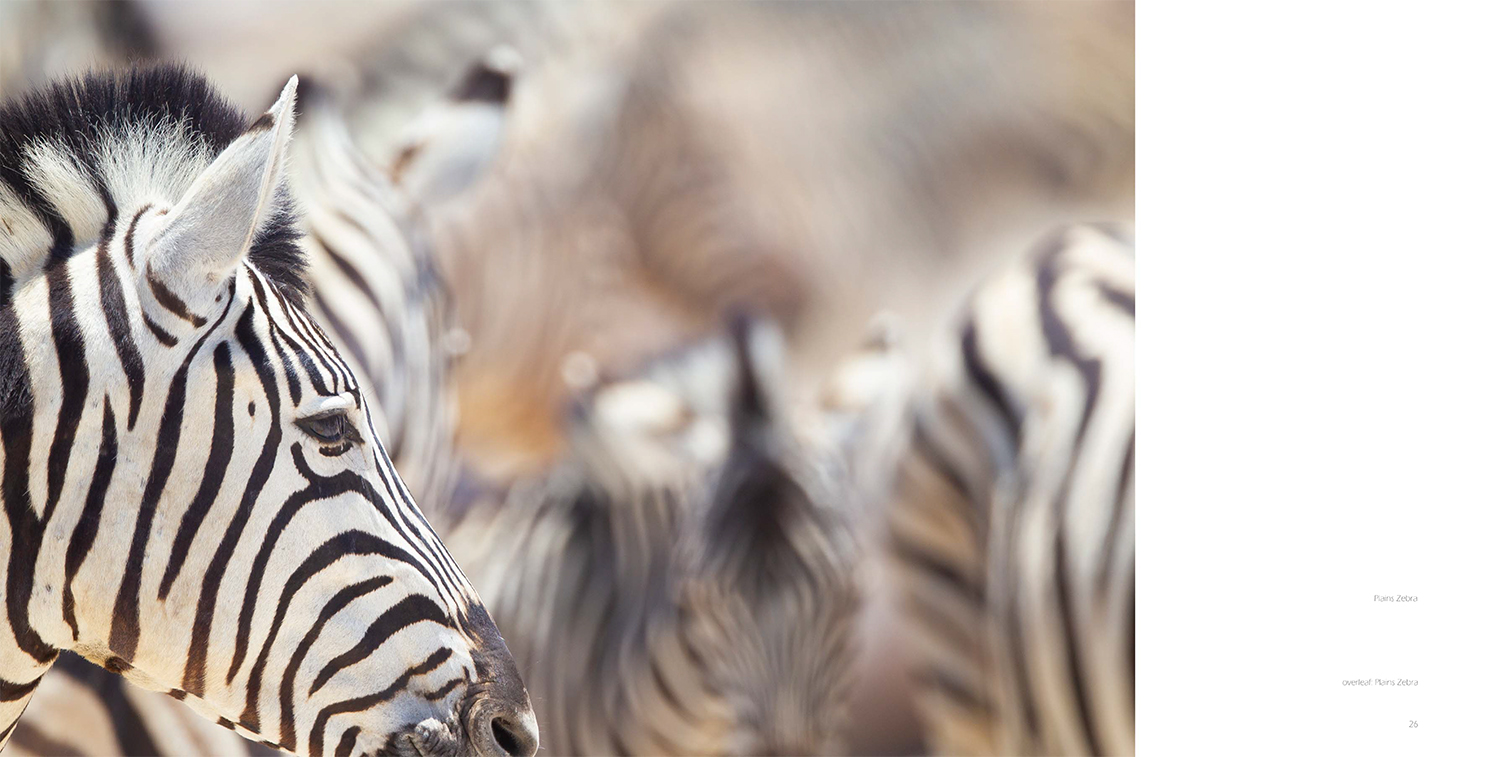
x,y
80,152
750,525
764,508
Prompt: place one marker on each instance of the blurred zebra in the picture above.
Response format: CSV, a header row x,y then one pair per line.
x,y
694,561
188,306
374,284
1012,528
685,158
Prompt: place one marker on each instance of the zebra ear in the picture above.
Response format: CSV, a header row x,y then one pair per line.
x,y
757,355
210,230
449,146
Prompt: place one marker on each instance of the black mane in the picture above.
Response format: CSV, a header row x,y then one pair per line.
x,y
79,114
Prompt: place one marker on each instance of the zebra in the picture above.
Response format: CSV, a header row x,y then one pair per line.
x,y
367,265
693,562
151,302
1012,525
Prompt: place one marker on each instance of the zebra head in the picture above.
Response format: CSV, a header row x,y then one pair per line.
x,y
763,571
195,491
768,584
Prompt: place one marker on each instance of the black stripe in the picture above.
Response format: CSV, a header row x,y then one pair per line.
x,y
346,744
323,347
356,350
410,611
265,121
441,692
954,688
1061,344
125,628
1074,660
26,530
159,332
327,352
73,372
302,329
1119,298
1116,519
293,384
301,348
169,301
319,488
933,605
350,272
15,692
360,704
1010,410
220,450
62,233
926,449
130,235
418,532
1005,544
87,529
294,663
919,558
194,668
112,300
111,210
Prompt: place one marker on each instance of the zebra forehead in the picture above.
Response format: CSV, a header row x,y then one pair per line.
x,y
78,154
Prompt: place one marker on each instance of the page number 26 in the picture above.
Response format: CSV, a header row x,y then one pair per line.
x,y
1413,724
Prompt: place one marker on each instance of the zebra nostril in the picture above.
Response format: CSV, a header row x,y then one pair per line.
x,y
511,738
509,742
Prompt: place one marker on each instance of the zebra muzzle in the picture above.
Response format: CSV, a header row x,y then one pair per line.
x,y
499,725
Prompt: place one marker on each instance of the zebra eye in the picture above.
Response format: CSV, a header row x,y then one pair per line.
x,y
330,428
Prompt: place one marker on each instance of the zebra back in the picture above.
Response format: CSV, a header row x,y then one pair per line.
x,y
1013,522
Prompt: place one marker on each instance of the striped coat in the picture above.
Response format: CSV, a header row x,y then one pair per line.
x,y
1013,521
